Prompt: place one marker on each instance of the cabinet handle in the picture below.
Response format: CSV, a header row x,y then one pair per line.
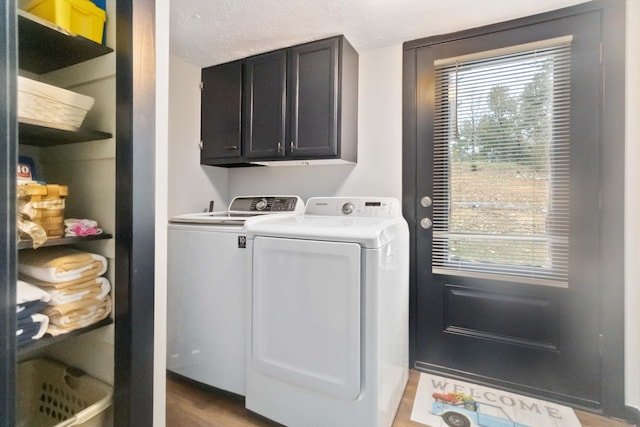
x,y
279,147
293,147
200,145
231,147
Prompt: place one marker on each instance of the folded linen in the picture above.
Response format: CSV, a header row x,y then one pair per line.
x,y
81,316
71,308
26,309
32,329
59,264
27,292
81,227
80,320
90,290
78,284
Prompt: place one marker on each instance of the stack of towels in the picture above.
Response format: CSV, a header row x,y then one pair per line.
x,y
79,295
31,322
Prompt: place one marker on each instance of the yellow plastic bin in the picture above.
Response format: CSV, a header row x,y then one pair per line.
x,y
51,394
80,17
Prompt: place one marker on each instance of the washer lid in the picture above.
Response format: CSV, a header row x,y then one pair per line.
x,y
244,208
367,232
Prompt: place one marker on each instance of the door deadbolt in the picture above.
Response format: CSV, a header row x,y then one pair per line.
x,y
426,223
425,201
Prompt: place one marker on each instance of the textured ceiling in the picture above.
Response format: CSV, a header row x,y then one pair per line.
x,y
209,32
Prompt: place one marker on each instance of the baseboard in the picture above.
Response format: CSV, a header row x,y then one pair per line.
x,y
632,415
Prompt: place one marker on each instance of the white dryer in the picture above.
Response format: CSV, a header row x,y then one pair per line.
x,y
206,285
329,297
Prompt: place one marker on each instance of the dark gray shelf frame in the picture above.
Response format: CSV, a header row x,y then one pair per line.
x,y
45,47
42,134
27,244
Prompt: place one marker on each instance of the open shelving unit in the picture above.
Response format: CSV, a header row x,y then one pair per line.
x,y
45,47
115,179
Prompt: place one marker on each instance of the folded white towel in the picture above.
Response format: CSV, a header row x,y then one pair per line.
x,y
80,318
60,264
65,296
26,292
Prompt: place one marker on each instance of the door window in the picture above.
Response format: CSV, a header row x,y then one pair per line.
x,y
501,163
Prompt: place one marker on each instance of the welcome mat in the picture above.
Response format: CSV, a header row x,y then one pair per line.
x,y
443,402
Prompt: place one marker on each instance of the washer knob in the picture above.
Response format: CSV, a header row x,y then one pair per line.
x,y
261,204
347,208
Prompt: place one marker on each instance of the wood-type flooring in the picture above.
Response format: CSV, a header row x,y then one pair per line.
x,y
190,404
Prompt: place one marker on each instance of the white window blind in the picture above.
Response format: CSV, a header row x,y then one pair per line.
x,y
501,164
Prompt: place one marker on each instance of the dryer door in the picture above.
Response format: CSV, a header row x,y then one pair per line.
x,y
306,313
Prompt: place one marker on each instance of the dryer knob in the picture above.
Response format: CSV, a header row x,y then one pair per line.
x,y
347,208
262,204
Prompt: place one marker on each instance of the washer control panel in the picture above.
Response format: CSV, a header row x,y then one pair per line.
x,y
266,204
354,206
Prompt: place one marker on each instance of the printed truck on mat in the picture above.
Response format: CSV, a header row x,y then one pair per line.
x,y
459,410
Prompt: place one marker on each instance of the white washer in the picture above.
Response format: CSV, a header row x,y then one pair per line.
x,y
329,297
206,283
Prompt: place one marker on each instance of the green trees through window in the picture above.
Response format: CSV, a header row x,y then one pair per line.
x,y
501,150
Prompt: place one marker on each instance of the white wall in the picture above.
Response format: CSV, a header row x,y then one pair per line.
x,y
379,168
161,196
632,208
190,186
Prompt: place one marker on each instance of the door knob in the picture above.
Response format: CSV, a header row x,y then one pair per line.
x,y
426,223
425,201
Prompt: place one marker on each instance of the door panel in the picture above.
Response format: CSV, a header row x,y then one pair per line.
x,y
306,313
220,127
481,314
265,105
501,329
313,89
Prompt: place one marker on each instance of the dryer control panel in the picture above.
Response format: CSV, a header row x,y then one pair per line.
x,y
378,207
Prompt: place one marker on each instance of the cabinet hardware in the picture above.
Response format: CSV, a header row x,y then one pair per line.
x,y
201,85
231,147
279,149
293,147
200,145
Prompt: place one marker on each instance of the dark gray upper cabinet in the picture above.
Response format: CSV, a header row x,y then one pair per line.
x,y
298,103
265,105
221,110
313,99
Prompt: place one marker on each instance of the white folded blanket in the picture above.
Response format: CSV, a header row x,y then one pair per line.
x,y
100,288
62,323
26,292
59,264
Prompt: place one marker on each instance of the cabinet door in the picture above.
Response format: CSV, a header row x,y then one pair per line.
x,y
221,112
313,97
264,98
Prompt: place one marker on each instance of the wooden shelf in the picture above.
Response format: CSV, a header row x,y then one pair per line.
x,y
43,134
65,241
28,349
46,47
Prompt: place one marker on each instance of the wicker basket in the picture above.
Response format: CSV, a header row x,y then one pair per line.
x,y
50,104
52,394
48,203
